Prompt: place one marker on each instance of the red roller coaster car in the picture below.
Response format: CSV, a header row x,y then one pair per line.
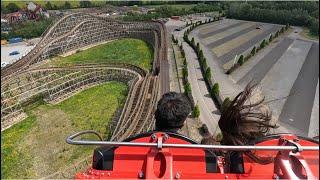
x,y
172,156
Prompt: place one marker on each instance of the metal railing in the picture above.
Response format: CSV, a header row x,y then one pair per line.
x,y
160,144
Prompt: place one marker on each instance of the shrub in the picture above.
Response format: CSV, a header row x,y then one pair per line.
x,y
11,7
314,27
270,38
196,112
219,137
201,56
287,26
263,44
183,54
172,37
204,130
192,41
241,61
185,72
187,88
208,73
247,57
226,103
198,48
204,64
185,61
215,89
253,51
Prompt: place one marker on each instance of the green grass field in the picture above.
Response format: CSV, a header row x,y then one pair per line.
x,y
36,146
131,51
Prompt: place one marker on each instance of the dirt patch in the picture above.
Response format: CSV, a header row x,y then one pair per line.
x,y
193,129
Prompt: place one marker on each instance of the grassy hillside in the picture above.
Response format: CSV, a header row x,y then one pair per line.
x,y
36,146
131,51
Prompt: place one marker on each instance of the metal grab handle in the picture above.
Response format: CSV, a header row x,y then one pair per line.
x,y
196,146
70,138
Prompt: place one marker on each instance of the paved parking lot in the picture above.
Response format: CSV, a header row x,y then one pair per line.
x,y
21,47
287,70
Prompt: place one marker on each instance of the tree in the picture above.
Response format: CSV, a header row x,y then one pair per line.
x,y
201,56
55,6
196,111
241,61
192,41
67,5
263,44
215,89
253,51
287,26
187,88
204,64
183,53
219,137
314,27
48,5
198,48
226,103
85,4
185,72
185,61
12,7
270,38
208,74
173,39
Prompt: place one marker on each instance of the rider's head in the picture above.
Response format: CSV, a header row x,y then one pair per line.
x,y
172,111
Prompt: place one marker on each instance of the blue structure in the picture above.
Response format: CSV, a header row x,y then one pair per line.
x,y
15,40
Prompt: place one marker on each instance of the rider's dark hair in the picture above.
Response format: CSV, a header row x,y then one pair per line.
x,y
172,110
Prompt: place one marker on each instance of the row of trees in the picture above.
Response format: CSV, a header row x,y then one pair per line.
x,y
168,11
205,69
242,59
13,7
186,84
28,29
298,14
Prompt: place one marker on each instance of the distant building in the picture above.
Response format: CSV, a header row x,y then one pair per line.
x,y
175,17
5,26
31,11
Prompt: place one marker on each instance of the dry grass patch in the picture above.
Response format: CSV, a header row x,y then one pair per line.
x,y
36,146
